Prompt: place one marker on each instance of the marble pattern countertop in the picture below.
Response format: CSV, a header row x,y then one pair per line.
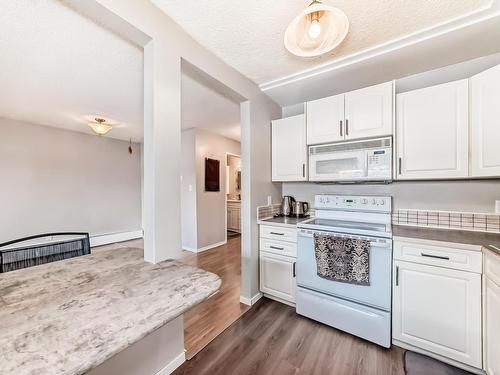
x,y
67,317
490,241
285,221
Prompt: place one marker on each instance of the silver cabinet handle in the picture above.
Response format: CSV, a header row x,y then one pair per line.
x,y
277,234
276,248
346,127
303,170
399,165
294,273
397,275
340,127
434,256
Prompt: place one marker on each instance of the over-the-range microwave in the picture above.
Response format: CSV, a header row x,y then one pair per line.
x,y
356,161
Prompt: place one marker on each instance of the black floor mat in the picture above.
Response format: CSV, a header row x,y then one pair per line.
x,y
419,364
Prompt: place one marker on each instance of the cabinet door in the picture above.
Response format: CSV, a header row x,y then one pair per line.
x,y
439,310
325,120
485,123
289,149
432,132
369,112
277,276
491,311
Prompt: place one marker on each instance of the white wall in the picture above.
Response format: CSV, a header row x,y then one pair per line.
x,y
203,212
211,205
56,180
474,196
188,190
165,46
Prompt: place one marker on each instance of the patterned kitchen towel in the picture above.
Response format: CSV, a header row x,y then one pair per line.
x,y
346,260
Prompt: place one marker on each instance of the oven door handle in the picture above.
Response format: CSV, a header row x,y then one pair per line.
x,y
385,243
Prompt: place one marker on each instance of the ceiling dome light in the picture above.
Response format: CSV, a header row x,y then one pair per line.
x,y
99,126
317,30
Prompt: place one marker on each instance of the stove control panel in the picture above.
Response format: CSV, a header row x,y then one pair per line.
x,y
353,202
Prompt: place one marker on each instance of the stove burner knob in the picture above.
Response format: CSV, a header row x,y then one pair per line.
x,y
364,201
374,202
382,202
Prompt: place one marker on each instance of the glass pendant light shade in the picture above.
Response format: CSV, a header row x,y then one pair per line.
x,y
317,30
99,126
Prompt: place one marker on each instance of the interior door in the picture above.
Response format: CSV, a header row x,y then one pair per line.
x,y
432,132
289,149
485,125
369,111
325,120
439,310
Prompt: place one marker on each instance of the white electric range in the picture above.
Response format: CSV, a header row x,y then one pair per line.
x,y
364,311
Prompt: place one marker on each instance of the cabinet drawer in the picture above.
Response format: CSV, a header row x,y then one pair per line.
x,y
278,247
278,233
441,256
492,266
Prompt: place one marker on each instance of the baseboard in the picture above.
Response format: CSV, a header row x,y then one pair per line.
x,y
251,301
449,361
173,365
105,239
191,249
279,300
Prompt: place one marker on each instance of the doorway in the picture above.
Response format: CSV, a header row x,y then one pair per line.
x,y
211,198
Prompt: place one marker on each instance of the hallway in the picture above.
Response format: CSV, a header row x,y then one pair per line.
x,y
207,320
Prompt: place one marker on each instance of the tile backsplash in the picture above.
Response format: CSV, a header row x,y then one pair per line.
x,y
479,222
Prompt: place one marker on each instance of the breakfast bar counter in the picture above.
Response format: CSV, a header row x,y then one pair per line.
x,y
70,316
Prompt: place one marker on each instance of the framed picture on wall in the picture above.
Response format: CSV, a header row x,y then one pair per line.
x,y
212,175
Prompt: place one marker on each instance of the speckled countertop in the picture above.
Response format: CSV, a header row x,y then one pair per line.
x,y
69,316
490,241
286,221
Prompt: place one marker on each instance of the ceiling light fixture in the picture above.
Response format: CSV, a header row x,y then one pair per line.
x,y
99,126
317,30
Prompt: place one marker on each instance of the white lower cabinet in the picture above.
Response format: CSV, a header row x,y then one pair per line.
x,y
277,259
277,276
234,216
438,309
491,314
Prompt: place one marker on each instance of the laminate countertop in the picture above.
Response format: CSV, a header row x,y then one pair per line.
x,y
284,221
490,241
68,317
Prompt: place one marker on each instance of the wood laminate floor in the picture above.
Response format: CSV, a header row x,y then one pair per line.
x,y
207,320
271,339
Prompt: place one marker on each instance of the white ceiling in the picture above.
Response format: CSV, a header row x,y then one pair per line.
x,y
204,106
59,68
249,34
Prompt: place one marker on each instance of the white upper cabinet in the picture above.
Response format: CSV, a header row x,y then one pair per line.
x,y
358,114
289,149
485,123
369,112
325,120
432,132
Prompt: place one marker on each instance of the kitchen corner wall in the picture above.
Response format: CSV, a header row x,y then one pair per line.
x,y
471,195
56,180
203,213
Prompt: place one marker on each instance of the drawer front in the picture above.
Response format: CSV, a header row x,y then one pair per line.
x,y
278,247
440,256
278,233
492,266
